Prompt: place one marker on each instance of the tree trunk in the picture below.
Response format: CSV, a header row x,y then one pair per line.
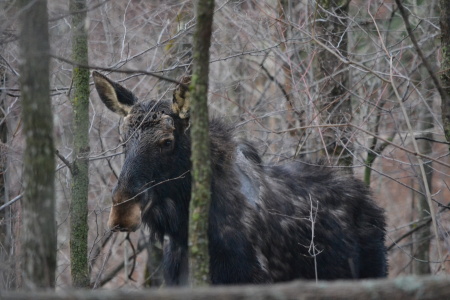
x,y
201,169
445,65
80,166
422,236
38,232
283,14
334,100
6,271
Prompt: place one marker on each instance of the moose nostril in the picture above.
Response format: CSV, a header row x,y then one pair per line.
x,y
115,229
119,228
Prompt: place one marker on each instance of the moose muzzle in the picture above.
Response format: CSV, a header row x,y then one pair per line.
x,y
125,213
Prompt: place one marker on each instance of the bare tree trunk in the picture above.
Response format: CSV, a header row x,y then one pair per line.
x,y
334,99
38,232
8,272
201,166
80,166
445,65
422,239
283,12
5,214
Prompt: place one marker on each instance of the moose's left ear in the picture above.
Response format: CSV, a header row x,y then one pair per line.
x,y
117,98
181,100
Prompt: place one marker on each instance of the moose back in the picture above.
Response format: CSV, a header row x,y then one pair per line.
x,y
266,223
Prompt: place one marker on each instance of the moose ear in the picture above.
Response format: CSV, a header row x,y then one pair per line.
x,y
117,98
181,100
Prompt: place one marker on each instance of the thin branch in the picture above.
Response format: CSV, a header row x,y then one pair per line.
x,y
283,90
426,221
118,268
123,71
427,65
407,234
9,66
11,202
344,59
369,133
65,161
431,140
134,257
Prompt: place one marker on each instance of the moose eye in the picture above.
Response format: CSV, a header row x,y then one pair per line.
x,y
167,143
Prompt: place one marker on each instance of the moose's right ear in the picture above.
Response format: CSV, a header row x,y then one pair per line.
x,y
181,99
117,98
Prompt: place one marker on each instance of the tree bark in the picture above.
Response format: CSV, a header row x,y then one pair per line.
x,y
445,65
201,166
38,232
80,166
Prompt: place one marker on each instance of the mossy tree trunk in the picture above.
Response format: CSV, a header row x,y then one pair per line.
x,y
445,65
334,99
201,166
38,231
80,165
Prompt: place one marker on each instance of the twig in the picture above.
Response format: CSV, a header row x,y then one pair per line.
x,y
9,66
431,140
150,187
133,256
116,270
283,90
369,133
11,202
427,65
96,248
65,161
344,59
143,72
399,239
103,150
312,248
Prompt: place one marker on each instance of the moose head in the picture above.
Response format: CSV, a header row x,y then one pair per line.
x,y
156,147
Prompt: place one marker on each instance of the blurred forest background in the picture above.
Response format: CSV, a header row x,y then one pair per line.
x,y
337,81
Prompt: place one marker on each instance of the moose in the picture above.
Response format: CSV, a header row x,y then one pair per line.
x,y
266,223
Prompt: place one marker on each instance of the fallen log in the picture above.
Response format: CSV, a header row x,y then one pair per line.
x,y
424,287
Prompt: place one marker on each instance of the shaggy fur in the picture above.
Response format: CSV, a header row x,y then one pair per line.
x,y
267,223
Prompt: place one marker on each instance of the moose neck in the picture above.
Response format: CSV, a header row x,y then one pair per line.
x,y
172,196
